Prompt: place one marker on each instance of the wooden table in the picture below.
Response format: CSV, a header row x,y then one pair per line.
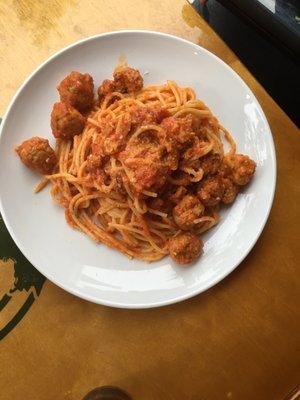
x,y
240,339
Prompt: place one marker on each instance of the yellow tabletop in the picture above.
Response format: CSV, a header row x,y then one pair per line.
x,y
240,339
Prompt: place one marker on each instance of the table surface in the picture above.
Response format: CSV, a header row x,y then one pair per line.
x,y
240,339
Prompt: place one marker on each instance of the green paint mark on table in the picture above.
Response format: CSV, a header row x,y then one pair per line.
x,y
26,278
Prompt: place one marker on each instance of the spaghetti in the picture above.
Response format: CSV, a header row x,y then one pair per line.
x,y
148,166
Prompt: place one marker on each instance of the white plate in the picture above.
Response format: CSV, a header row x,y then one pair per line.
x,y
95,272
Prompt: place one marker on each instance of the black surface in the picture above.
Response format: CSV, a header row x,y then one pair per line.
x,y
280,27
275,69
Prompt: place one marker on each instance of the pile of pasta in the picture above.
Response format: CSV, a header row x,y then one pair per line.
x,y
147,172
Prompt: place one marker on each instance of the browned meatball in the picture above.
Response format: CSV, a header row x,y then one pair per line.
x,y
211,190
128,80
37,155
243,169
77,89
115,141
171,125
179,128
210,163
148,115
108,86
185,248
230,191
187,211
66,121
224,169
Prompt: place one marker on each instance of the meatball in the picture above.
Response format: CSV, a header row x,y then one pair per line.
x,y
93,162
210,163
211,190
128,80
108,86
181,128
148,116
187,211
230,191
66,121
149,177
185,248
77,90
116,139
243,169
171,125
37,155
225,169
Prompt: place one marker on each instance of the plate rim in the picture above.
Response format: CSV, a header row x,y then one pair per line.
x,y
221,276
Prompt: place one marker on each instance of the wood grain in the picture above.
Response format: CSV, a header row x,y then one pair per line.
x,y
237,341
